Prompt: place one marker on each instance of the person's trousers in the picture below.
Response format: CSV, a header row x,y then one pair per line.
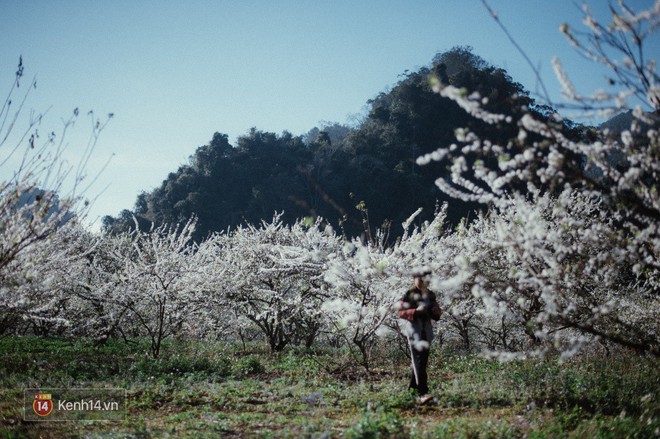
x,y
418,377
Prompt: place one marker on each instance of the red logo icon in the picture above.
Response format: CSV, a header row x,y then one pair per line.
x,y
43,404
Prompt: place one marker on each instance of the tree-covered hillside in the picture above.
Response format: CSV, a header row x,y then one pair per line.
x,y
329,171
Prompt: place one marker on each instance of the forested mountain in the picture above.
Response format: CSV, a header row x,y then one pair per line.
x,y
332,169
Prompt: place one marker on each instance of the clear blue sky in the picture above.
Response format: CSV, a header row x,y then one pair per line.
x,y
175,72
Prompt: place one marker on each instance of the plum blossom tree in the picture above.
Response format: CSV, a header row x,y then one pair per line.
x,y
363,297
33,299
158,284
272,275
573,243
32,205
92,283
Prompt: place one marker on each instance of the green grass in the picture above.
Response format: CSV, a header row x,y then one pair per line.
x,y
209,389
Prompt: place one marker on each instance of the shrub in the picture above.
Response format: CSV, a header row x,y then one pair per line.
x,y
177,366
248,366
377,424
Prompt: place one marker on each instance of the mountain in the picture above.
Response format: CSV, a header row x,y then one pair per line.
x,y
335,168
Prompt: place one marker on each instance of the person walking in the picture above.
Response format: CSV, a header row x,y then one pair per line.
x,y
419,306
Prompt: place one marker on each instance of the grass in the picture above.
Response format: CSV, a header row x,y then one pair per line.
x,y
209,389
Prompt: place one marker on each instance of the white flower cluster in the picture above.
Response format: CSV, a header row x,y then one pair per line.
x,y
540,276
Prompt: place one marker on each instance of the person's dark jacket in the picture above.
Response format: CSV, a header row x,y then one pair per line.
x,y
416,305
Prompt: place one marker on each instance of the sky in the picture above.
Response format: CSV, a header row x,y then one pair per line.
x,y
173,72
